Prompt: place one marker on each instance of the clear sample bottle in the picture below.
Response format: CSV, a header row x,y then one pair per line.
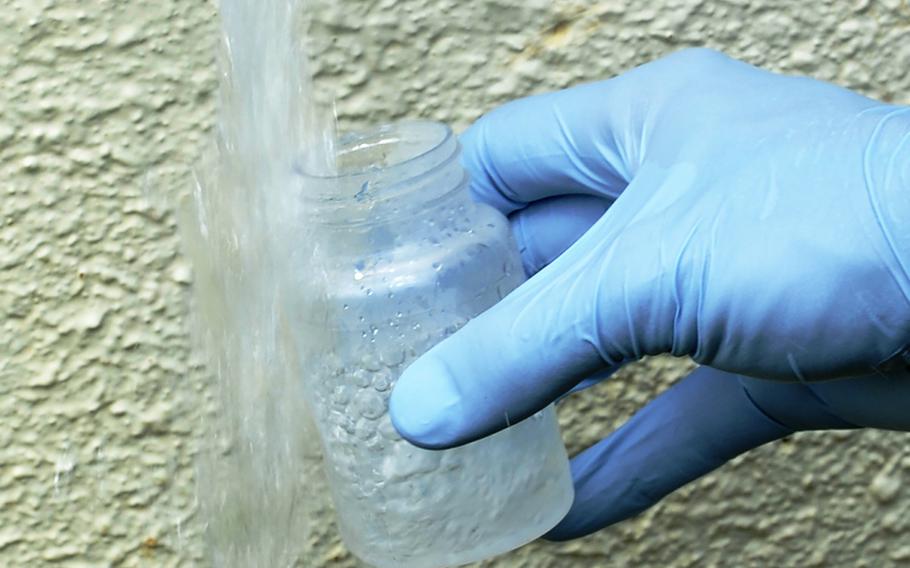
x,y
404,258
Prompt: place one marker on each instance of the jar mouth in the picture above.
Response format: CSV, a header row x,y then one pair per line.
x,y
385,166
385,147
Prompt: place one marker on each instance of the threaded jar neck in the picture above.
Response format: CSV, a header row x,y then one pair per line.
x,y
384,173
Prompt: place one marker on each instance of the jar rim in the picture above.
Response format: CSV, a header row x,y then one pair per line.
x,y
393,169
444,136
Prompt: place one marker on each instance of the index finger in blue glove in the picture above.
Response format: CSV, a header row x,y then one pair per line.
x,y
582,140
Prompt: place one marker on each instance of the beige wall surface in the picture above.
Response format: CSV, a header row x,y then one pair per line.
x,y
99,402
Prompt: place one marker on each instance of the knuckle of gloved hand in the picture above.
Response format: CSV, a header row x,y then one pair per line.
x,y
702,59
686,73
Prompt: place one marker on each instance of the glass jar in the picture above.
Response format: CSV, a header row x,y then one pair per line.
x,y
405,258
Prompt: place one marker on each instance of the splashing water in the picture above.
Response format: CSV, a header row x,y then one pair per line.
x,y
263,292
259,472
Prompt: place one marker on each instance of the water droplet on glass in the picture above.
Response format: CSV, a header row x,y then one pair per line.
x,y
371,363
341,395
382,382
362,378
364,429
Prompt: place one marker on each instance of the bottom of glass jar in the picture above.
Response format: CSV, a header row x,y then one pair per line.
x,y
514,539
513,514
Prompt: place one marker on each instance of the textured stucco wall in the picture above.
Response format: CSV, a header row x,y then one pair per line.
x,y
98,400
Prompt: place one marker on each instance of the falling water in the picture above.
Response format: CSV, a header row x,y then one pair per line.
x,y
259,477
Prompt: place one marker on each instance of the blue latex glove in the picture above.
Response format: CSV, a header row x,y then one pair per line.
x,y
757,223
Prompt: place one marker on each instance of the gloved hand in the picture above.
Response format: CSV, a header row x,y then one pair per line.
x,y
757,223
